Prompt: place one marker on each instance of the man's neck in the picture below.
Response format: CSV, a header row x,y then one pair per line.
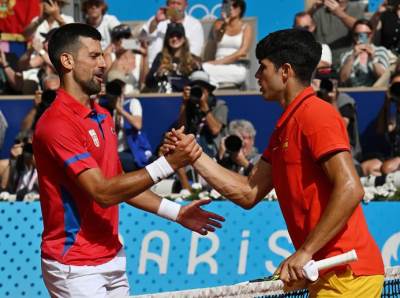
x,y
290,93
77,93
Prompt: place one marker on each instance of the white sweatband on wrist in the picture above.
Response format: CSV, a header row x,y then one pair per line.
x,y
159,169
169,209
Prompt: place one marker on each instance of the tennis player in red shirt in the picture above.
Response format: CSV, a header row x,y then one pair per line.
x,y
81,179
309,164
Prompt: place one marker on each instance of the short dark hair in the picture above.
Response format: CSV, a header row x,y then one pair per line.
x,y
241,4
66,39
362,22
293,46
88,3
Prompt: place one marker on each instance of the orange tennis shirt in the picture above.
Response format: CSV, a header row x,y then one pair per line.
x,y
308,130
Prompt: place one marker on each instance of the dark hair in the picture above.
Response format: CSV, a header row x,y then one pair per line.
x,y
362,22
241,4
86,4
293,46
301,14
66,39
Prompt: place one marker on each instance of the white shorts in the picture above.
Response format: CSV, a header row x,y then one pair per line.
x,y
105,280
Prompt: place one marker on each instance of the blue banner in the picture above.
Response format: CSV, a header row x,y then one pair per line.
x,y
163,256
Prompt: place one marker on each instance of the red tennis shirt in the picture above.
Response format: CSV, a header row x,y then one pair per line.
x,y
308,130
69,139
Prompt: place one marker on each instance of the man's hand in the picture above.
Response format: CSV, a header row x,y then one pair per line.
x,y
333,6
184,149
161,15
204,107
186,94
291,269
51,8
196,219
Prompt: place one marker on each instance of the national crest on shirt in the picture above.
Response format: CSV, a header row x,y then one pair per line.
x,y
95,138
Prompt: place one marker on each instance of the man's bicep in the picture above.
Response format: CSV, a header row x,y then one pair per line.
x,y
91,180
260,179
339,167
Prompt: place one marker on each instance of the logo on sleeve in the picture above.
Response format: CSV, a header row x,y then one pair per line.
x,y
95,139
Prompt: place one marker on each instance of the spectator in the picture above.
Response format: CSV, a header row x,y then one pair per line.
x,y
389,125
386,21
127,115
49,18
303,20
233,40
237,151
174,64
174,11
95,15
126,59
34,65
334,20
346,105
202,113
364,63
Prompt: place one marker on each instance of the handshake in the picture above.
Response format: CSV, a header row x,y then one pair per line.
x,y
180,149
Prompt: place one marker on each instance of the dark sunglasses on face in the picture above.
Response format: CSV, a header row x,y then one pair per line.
x,y
177,35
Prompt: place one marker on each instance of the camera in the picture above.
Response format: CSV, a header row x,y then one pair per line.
x,y
325,88
121,31
196,92
233,144
394,92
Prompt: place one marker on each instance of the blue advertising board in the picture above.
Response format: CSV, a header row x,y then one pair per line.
x,y
163,256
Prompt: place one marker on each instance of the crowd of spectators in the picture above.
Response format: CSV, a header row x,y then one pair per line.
x,y
169,53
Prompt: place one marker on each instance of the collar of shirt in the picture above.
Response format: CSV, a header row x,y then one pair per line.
x,y
306,93
78,108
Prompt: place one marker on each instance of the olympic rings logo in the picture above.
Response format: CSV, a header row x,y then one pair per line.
x,y
207,14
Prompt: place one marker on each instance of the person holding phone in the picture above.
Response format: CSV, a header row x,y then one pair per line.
x,y
49,18
364,63
156,28
95,14
232,38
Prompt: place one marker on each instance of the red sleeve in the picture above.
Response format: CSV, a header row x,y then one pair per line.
x,y
324,130
68,147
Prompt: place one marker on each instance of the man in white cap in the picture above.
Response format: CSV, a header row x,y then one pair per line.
x,y
202,113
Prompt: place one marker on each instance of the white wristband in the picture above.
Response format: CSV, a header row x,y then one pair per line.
x,y
169,209
159,169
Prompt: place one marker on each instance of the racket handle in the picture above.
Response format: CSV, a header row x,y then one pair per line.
x,y
312,267
344,258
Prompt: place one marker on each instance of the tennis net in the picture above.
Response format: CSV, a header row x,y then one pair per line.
x,y
270,288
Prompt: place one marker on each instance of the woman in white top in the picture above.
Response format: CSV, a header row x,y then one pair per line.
x,y
233,39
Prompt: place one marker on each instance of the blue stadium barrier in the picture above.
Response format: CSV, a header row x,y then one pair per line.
x,y
163,256
160,112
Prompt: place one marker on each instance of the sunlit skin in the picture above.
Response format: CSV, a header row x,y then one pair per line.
x,y
94,14
176,42
85,69
179,5
269,80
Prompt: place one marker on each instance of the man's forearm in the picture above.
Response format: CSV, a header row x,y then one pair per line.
x,y
347,20
213,124
147,201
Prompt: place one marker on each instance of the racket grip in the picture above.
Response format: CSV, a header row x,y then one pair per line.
x,y
312,267
344,258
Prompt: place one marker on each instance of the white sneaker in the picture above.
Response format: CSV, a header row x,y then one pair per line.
x,y
394,178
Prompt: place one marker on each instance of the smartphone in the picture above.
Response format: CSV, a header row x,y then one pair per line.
x,y
226,7
173,13
130,44
362,38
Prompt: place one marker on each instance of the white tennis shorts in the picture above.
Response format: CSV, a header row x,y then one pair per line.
x,y
101,281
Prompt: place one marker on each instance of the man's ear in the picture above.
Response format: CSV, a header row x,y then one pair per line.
x,y
67,61
286,72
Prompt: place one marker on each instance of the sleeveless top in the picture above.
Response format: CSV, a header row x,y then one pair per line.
x,y
229,44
